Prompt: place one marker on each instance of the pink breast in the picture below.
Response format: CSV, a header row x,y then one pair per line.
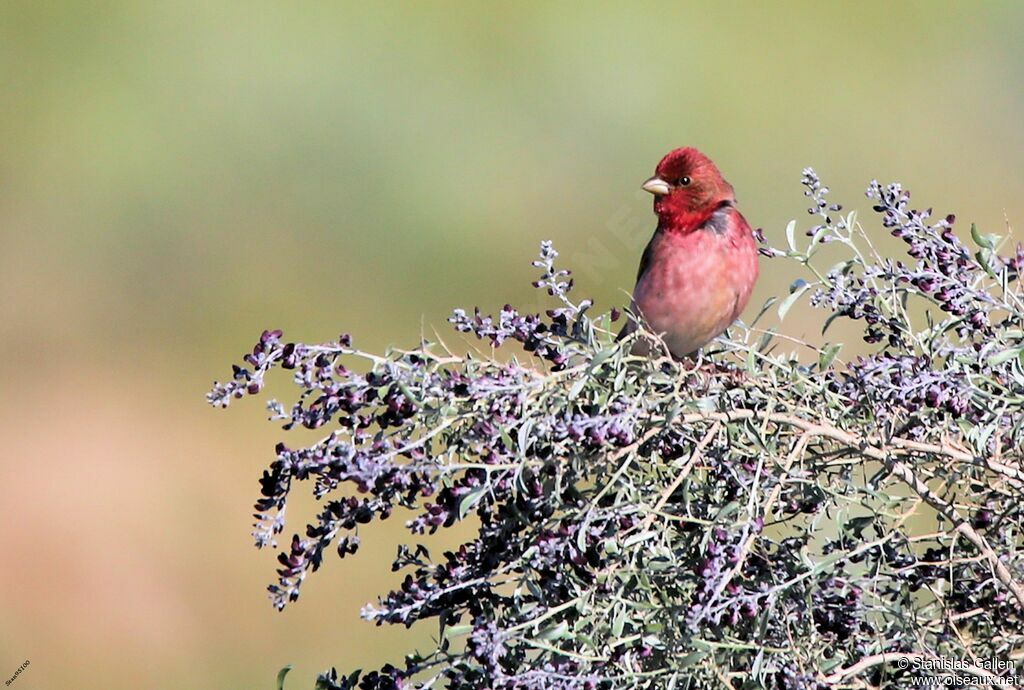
x,y
696,285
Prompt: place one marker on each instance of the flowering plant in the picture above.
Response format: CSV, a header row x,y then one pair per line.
x,y
752,519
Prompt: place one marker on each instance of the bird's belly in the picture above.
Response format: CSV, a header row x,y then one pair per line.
x,y
691,297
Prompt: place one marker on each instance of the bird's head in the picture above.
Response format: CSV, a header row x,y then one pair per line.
x,y
687,188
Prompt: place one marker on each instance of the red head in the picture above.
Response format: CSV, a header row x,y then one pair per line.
x,y
687,189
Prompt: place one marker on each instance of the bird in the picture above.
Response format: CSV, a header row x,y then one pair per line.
x,y
699,269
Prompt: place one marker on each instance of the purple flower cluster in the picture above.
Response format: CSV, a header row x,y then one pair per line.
x,y
388,678
654,524
590,425
837,608
943,262
820,205
243,380
908,385
789,678
721,554
549,339
536,335
934,370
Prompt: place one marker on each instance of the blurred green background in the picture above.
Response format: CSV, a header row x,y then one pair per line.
x,y
176,176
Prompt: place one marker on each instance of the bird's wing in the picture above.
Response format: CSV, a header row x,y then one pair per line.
x,y
645,260
720,219
645,263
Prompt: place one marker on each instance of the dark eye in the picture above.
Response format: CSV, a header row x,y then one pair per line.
x,y
683,181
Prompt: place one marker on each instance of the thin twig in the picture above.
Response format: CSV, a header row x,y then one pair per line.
x,y
962,526
889,657
748,541
695,456
884,454
902,445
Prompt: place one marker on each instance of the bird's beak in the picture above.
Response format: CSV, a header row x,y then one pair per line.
x,y
656,186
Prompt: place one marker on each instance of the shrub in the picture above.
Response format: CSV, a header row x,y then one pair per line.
x,y
753,519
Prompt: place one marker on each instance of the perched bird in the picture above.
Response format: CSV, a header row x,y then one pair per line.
x,y
700,267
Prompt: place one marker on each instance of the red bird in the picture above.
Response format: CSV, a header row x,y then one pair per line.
x,y
699,269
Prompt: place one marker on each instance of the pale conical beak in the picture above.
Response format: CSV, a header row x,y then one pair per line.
x,y
656,186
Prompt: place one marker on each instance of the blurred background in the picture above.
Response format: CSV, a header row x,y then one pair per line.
x,y
177,176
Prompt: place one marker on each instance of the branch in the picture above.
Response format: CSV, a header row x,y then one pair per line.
x,y
903,445
888,657
884,455
694,458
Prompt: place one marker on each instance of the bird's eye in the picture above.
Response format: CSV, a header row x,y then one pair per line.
x,y
683,181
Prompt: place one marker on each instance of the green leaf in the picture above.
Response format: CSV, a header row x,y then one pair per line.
x,y
795,291
524,436
984,434
619,623
581,538
841,266
620,378
764,309
791,235
555,632
727,511
766,340
828,322
984,258
751,362
828,355
977,236
458,630
280,676
984,241
506,438
755,670
692,659
601,356
637,538
1005,356
470,499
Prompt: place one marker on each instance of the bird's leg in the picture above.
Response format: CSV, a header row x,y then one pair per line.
x,y
704,372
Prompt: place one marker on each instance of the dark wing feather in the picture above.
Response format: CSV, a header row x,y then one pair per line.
x,y
645,259
718,223
645,263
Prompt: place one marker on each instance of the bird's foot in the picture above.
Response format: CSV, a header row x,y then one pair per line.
x,y
703,374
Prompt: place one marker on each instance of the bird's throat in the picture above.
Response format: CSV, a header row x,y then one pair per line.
x,y
686,221
683,222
